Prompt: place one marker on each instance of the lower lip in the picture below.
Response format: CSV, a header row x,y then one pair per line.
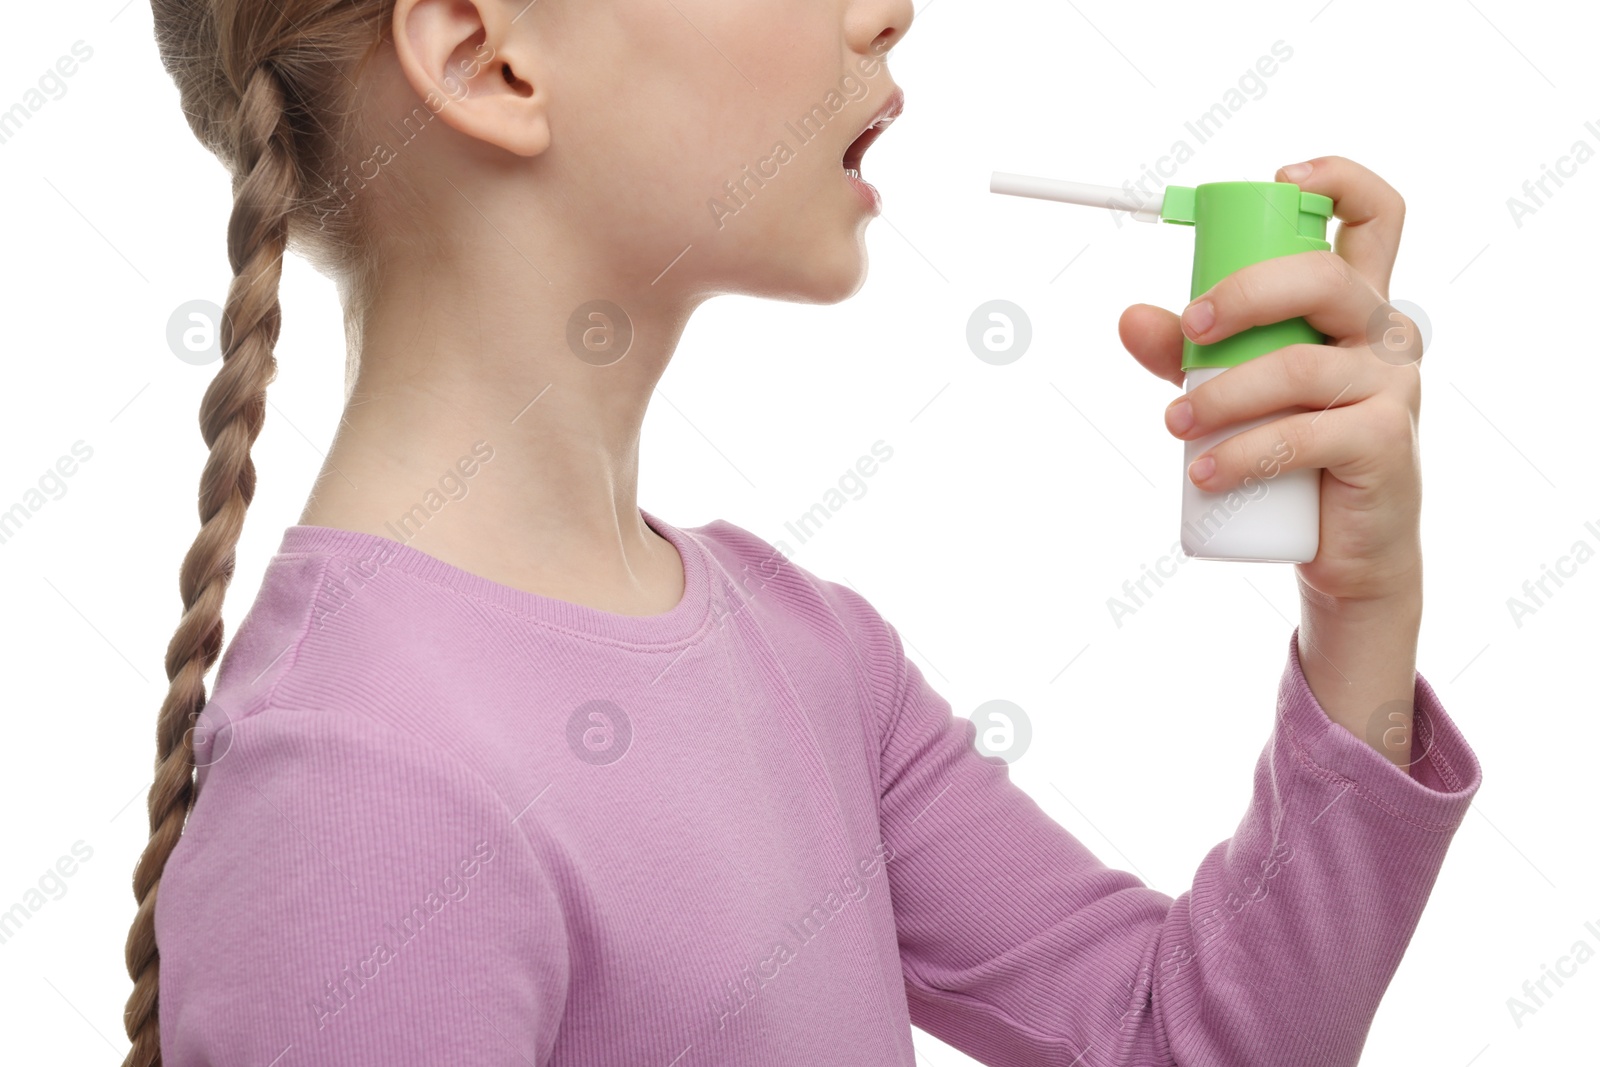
x,y
868,193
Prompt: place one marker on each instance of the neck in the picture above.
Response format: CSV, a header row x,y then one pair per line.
x,y
449,372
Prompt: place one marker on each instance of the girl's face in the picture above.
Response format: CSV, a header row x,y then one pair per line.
x,y
699,146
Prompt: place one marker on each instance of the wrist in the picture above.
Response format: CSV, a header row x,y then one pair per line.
x,y
1401,605
1359,660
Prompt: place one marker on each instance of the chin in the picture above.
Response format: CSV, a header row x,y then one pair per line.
x,y
799,257
838,285
815,275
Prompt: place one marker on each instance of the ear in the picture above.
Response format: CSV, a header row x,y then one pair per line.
x,y
471,62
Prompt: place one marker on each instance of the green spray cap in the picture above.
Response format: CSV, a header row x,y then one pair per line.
x,y
1237,224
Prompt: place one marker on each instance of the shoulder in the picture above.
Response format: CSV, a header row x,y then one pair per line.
x,y
754,564
352,642
764,576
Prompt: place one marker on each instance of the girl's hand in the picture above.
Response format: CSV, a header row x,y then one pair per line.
x,y
1362,393
1362,389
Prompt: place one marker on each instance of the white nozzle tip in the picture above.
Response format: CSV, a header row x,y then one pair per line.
x,y
1101,196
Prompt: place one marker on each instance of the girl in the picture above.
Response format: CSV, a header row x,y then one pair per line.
x,y
503,769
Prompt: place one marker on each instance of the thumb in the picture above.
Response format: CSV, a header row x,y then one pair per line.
x,y
1155,339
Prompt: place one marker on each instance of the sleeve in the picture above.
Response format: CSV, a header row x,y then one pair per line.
x,y
345,895
1018,946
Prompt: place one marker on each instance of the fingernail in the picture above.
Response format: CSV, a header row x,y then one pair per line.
x,y
1180,416
1198,317
1201,469
1295,171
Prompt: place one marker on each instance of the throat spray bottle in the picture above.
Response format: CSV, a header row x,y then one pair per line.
x,y
1274,515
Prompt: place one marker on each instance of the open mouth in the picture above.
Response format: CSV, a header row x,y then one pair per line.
x,y
890,111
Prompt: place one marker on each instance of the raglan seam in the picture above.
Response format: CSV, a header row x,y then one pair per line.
x,y
293,651
882,731
827,595
902,679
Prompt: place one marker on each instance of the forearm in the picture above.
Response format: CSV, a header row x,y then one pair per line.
x,y
1360,661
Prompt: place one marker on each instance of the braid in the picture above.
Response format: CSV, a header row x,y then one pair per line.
x,y
231,415
270,89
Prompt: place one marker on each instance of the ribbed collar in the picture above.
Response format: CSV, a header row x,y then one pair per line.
x,y
683,621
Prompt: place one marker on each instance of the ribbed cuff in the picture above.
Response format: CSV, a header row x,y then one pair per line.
x,y
1444,773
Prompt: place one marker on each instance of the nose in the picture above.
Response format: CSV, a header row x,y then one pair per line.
x,y
872,27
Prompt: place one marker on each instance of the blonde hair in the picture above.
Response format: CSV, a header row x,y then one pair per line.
x,y
269,86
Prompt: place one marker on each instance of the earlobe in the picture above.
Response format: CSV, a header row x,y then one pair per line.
x,y
473,66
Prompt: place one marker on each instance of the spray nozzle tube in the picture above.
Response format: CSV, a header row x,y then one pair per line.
x,y
1106,196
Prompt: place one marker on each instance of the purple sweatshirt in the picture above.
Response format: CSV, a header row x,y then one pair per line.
x,y
445,821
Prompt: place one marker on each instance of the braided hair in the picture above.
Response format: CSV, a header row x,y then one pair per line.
x,y
269,87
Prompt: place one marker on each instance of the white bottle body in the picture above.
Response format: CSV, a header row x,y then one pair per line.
x,y
1274,515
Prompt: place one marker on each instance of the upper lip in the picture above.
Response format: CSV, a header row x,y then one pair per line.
x,y
890,110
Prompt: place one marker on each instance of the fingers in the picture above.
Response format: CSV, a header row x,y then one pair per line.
x,y
1321,286
1369,209
1316,377
1153,337
1355,443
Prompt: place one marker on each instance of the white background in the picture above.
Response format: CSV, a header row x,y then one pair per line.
x,y
1018,498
